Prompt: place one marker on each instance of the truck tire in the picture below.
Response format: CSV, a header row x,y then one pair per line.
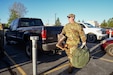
x,y
91,38
109,50
28,49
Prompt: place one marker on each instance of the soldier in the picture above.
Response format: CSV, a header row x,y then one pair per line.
x,y
74,33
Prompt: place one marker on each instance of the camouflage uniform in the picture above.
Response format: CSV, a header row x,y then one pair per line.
x,y
74,32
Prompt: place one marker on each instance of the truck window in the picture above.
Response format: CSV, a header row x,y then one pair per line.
x,y
89,25
15,24
30,22
11,25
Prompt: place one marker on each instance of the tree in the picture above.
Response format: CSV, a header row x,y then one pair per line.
x,y
57,22
104,24
17,10
110,22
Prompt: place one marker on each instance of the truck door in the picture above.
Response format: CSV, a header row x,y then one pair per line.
x,y
12,30
22,27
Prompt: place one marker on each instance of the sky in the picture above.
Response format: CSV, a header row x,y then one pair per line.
x,y
85,10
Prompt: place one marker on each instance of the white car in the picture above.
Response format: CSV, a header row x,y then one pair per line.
x,y
93,34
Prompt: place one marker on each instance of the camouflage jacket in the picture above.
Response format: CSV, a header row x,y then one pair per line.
x,y
74,32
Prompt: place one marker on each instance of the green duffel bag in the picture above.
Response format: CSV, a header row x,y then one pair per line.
x,y
80,57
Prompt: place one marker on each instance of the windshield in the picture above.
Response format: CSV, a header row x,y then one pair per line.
x,y
89,25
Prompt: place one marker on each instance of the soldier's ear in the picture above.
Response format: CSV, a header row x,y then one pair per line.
x,y
73,17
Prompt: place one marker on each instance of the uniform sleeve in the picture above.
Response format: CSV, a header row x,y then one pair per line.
x,y
63,31
82,34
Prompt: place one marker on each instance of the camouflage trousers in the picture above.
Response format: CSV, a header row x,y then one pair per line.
x,y
69,52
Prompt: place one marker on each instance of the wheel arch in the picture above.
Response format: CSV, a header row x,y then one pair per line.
x,y
26,36
91,33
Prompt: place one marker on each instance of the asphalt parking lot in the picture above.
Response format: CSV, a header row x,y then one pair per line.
x,y
17,63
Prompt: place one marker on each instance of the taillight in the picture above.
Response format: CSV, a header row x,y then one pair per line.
x,y
43,34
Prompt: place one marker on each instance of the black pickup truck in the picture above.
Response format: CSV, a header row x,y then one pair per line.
x,y
21,29
1,41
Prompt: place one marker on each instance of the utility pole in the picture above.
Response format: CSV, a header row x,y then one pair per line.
x,y
55,17
48,21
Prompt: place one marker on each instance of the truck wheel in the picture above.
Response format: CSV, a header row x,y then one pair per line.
x,y
29,49
109,50
91,38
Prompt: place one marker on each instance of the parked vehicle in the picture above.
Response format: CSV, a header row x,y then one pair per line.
x,y
1,41
21,29
108,46
93,34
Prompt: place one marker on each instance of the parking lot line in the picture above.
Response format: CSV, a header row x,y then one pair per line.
x,y
96,52
55,69
62,66
104,59
101,58
16,65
